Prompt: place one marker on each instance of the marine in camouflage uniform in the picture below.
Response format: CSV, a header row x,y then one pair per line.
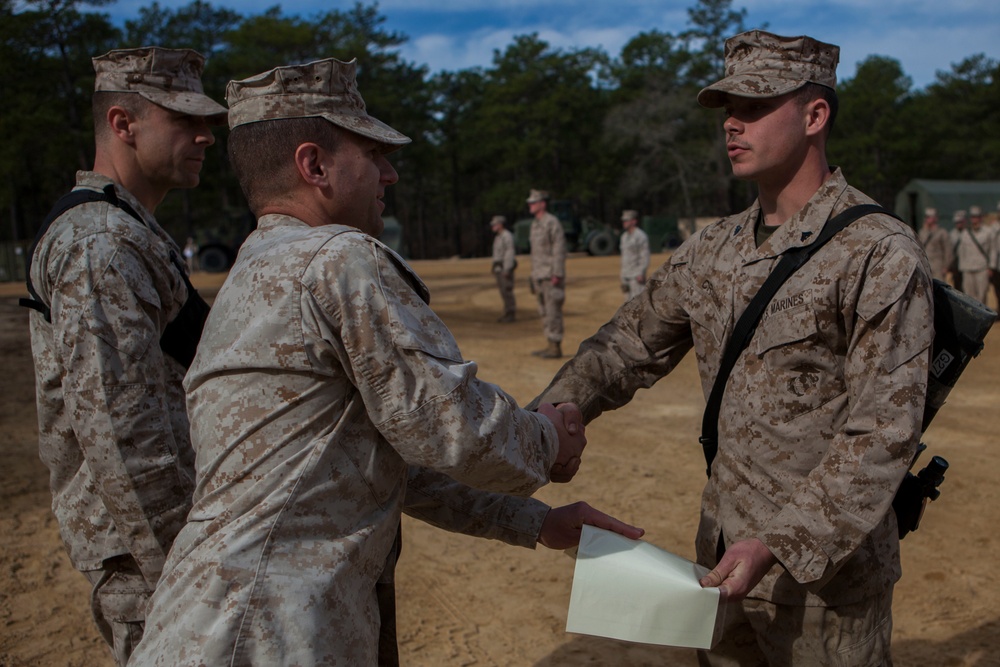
x,y
548,271
936,244
326,398
112,290
822,412
504,263
634,247
976,253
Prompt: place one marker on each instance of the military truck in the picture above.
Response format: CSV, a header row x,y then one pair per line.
x,y
583,233
664,232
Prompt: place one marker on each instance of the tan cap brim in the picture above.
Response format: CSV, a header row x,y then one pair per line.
x,y
373,128
190,103
756,86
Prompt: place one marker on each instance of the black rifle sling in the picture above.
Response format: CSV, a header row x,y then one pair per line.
x,y
746,326
65,203
181,335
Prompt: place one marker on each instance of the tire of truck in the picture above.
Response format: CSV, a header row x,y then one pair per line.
x,y
601,244
215,258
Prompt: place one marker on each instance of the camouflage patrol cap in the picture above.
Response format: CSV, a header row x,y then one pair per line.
x,y
498,220
170,78
537,195
958,216
320,89
629,214
762,64
975,212
930,212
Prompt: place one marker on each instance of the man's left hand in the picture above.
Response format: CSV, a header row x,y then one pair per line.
x,y
563,526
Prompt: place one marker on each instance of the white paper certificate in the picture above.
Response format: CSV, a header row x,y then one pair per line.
x,y
632,590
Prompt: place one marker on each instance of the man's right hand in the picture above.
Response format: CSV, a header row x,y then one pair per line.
x,y
742,567
568,421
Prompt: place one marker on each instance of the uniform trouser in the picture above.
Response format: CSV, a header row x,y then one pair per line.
x,y
631,287
976,284
385,592
550,305
505,283
118,602
762,634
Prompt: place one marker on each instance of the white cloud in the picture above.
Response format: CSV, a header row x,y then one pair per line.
x,y
924,35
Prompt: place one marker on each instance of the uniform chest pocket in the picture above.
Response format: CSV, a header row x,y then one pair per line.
x,y
785,328
799,371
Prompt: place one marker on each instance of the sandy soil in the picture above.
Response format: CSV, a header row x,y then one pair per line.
x,y
465,601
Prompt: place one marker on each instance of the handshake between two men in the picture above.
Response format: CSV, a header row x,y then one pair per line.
x,y
742,566
562,526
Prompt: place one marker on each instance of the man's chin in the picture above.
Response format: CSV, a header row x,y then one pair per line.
x,y
373,228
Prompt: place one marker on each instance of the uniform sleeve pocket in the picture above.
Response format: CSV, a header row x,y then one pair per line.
x,y
413,324
120,314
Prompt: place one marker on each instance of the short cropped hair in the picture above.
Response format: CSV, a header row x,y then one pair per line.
x,y
103,100
261,154
812,91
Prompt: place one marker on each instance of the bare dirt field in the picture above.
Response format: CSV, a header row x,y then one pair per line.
x,y
464,601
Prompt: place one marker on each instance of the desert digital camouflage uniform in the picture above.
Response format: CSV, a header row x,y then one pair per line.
x,y
974,249
504,262
938,247
324,390
822,413
634,247
121,326
548,259
112,426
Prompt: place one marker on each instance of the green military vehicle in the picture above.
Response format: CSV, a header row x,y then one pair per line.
x,y
590,235
663,232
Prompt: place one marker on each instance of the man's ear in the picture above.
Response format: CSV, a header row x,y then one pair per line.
x,y
309,161
119,120
818,117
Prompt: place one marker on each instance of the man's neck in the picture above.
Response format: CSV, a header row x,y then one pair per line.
x,y
783,198
130,178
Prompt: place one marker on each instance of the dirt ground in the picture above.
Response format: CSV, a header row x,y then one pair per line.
x,y
464,601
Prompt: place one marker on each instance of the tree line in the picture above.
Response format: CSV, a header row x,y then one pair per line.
x,y
607,131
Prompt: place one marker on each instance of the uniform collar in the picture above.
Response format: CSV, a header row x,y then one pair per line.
x,y
95,181
799,230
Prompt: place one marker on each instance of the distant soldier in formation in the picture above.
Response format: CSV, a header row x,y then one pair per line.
x,y
936,244
992,225
191,255
976,254
548,271
634,246
504,263
958,222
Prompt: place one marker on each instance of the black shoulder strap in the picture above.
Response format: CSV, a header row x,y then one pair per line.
x,y
747,324
65,203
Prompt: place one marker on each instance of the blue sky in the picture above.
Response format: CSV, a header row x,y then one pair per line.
x,y
925,36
